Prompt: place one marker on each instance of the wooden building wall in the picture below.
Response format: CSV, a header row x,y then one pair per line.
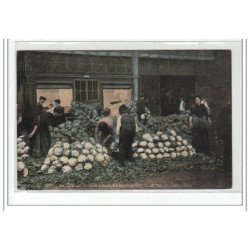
x,y
53,70
212,74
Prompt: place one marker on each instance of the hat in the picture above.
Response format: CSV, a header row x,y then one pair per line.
x,y
42,98
58,101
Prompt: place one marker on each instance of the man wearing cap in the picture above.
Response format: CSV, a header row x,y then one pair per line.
x,y
40,105
126,128
59,119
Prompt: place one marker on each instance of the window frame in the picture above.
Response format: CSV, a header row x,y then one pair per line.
x,y
87,81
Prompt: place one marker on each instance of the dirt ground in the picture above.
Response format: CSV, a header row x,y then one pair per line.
x,y
195,179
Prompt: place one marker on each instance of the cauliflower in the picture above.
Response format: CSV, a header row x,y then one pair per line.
x,y
155,150
166,155
164,137
173,155
151,156
87,166
66,145
143,144
172,132
135,155
63,159
88,145
21,145
159,133
72,162
58,151
79,167
99,158
85,151
184,154
44,168
66,152
93,152
53,158
20,166
81,158
90,158
47,161
178,138
74,153
184,142
158,156
66,169
143,156
140,150
147,137
151,145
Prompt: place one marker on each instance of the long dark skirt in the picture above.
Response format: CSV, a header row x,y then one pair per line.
x,y
200,135
42,143
126,139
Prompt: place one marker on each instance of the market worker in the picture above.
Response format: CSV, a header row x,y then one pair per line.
x,y
59,119
199,121
224,130
40,105
140,107
40,136
57,103
126,128
182,106
104,131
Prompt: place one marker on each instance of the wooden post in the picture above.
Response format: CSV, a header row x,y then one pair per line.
x,y
30,83
135,70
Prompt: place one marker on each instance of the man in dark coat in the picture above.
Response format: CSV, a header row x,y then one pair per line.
x,y
126,128
59,119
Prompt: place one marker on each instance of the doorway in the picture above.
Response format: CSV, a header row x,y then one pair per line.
x,y
173,88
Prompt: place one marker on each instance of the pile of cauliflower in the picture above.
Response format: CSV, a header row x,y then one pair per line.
x,y
177,122
69,132
22,155
162,145
80,110
79,156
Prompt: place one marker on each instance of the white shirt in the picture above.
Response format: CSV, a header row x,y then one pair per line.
x,y
182,106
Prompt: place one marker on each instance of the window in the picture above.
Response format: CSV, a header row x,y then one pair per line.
x,y
85,90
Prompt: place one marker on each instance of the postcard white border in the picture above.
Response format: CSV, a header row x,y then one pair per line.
x,y
129,197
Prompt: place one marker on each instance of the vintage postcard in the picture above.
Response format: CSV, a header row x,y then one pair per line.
x,y
127,117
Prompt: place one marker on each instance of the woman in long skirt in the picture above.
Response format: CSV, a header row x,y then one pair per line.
x,y
41,135
199,122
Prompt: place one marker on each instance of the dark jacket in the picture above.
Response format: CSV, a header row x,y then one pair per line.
x,y
140,107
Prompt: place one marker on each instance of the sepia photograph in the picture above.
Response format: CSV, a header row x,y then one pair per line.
x,y
124,119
